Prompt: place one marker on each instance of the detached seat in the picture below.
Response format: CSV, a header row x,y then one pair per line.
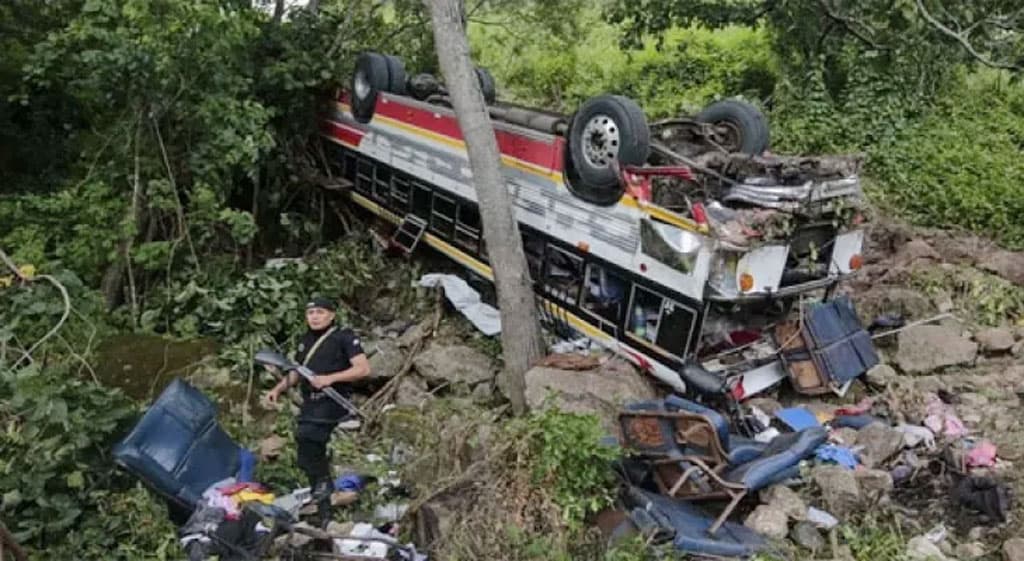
x,y
694,457
178,449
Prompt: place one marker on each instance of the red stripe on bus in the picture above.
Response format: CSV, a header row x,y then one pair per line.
x,y
547,155
342,133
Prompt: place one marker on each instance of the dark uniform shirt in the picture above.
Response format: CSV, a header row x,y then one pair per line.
x,y
333,355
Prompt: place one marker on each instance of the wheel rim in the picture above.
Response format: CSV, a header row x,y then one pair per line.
x,y
729,136
600,141
362,85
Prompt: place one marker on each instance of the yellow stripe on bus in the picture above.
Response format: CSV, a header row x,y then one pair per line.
x,y
476,265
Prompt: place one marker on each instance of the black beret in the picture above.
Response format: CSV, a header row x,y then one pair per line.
x,y
320,302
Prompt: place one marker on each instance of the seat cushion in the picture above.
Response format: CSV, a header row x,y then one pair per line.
x,y
770,467
177,448
690,527
743,450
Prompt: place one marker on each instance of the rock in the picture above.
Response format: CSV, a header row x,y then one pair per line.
x,y
412,335
270,447
839,489
880,375
767,521
845,435
874,483
435,518
1013,549
915,250
995,340
411,391
807,536
482,394
600,392
339,528
387,361
1007,264
880,443
921,549
782,498
924,348
972,400
903,301
1018,349
455,364
970,550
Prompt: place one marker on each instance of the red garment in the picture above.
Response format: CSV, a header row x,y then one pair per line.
x,y
232,489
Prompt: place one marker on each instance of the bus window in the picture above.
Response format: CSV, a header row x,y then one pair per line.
x,y
467,228
605,295
673,246
401,190
421,199
660,321
564,275
364,176
442,216
533,247
381,183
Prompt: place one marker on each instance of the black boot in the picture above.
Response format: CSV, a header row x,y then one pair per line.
x,y
322,496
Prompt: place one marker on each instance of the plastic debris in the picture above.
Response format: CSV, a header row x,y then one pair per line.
x,y
797,418
821,519
937,534
855,421
349,482
985,495
390,512
841,455
767,435
982,454
467,301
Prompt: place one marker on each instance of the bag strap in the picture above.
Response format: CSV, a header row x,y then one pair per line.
x,y
316,345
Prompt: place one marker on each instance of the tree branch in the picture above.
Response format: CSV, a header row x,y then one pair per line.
x,y
938,25
848,25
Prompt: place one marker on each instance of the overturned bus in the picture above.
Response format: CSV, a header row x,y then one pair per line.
x,y
679,244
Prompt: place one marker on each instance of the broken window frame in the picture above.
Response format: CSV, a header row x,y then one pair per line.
x,y
563,295
608,325
656,343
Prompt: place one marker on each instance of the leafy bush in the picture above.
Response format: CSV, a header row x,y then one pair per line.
x,y
568,459
54,450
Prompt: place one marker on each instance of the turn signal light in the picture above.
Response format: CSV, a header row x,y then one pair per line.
x,y
856,262
746,282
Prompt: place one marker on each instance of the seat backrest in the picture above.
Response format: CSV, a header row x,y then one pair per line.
x,y
177,448
721,426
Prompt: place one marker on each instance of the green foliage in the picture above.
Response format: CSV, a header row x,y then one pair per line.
x,y
960,166
569,460
979,297
873,542
54,450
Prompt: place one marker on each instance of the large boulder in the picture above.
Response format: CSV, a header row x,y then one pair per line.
x,y
924,348
784,499
909,303
880,443
1007,264
601,391
995,339
1013,549
454,365
768,521
386,360
839,489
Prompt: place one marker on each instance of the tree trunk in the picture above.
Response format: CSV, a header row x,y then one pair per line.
x,y
520,331
278,11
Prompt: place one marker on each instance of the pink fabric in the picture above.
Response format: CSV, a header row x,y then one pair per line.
x,y
942,418
982,455
860,408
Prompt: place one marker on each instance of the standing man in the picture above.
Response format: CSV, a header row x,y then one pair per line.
x,y
335,355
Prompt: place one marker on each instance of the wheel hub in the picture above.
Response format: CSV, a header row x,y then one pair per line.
x,y
362,85
600,141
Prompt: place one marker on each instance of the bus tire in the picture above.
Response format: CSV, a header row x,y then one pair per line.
x,y
487,85
396,75
371,76
606,129
746,125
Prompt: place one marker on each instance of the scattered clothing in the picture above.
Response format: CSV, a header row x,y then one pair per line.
x,y
982,454
841,455
797,418
349,482
246,465
855,421
914,435
941,418
985,495
247,495
860,408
